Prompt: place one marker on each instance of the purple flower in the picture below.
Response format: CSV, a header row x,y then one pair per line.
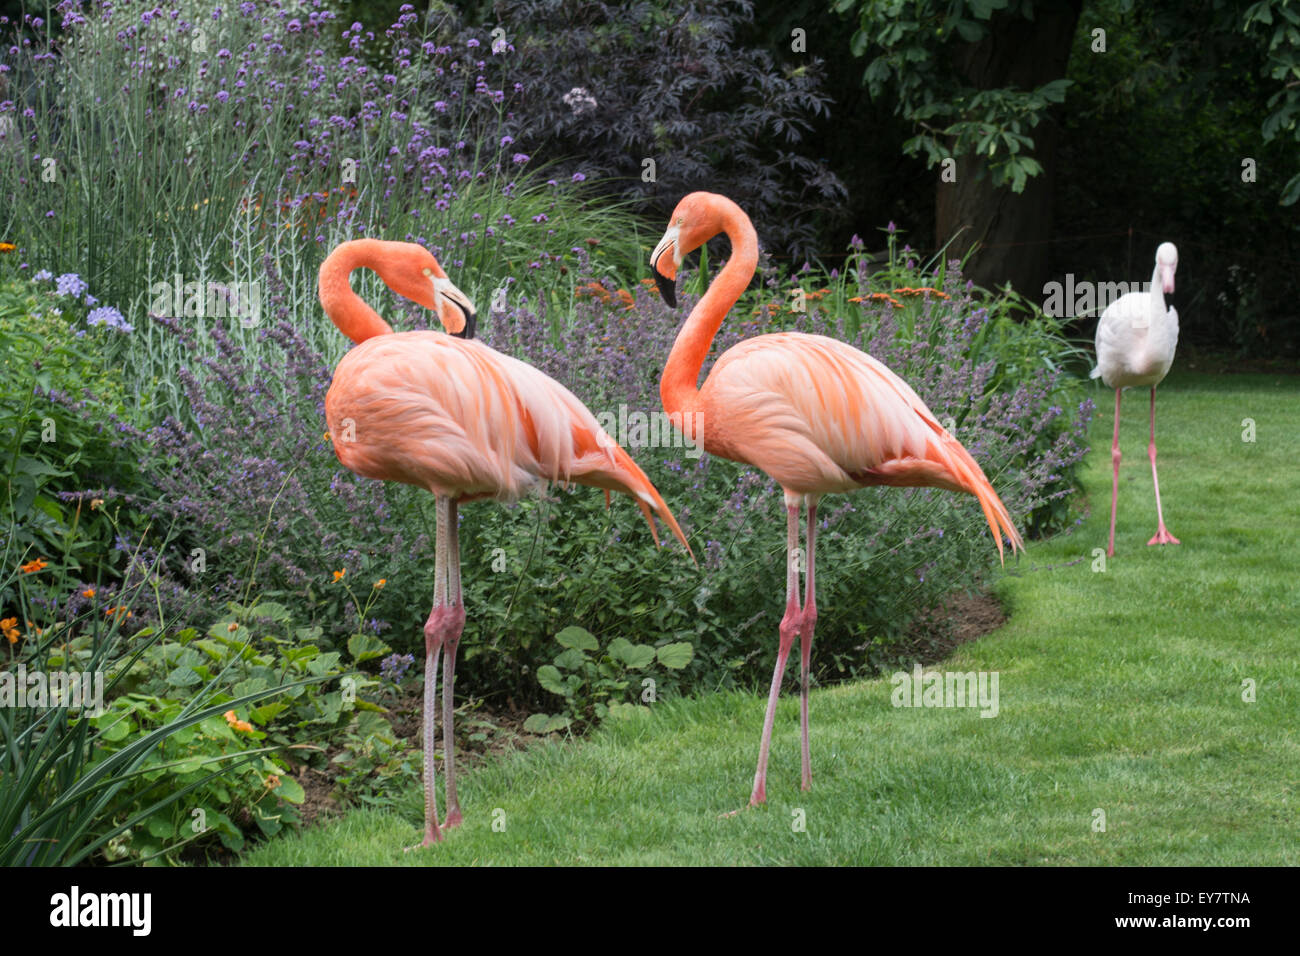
x,y
70,284
107,315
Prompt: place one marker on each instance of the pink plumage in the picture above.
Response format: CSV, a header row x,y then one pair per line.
x,y
453,416
817,415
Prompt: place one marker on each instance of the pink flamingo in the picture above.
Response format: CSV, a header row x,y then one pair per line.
x,y
449,414
817,415
1136,338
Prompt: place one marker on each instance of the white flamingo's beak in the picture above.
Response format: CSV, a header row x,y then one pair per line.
x,y
1167,277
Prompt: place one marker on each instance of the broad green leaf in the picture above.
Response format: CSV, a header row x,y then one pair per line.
x,y
364,647
549,677
633,656
676,656
290,789
580,638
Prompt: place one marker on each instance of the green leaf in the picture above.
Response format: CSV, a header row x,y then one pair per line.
x,y
183,677
577,637
676,656
550,679
364,647
633,656
271,610
290,790
571,659
161,826
546,723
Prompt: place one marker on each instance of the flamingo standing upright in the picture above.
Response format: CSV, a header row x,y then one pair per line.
x,y
1136,338
817,415
453,416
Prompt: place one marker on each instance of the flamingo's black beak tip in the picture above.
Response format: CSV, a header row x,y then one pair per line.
x,y
471,323
667,289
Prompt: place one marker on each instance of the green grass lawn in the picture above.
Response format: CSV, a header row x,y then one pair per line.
x,y
1120,691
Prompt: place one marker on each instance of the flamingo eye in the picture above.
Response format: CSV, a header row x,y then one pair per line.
x,y
427,271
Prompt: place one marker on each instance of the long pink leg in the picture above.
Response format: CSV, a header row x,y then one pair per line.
x,y
1114,485
435,629
788,629
1162,535
455,626
807,622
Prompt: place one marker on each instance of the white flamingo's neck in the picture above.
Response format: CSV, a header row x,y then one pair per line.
x,y
1157,297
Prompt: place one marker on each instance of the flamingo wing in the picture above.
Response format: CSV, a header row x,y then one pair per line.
x,y
820,416
460,419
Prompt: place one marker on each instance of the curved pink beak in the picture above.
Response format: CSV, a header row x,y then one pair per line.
x,y
1167,277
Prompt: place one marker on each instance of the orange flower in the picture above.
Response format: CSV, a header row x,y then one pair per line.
x,y
272,781
7,247
31,567
338,575
10,627
88,593
625,297
96,503
110,611
379,585
237,724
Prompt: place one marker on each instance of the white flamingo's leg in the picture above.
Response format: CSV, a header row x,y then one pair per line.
x,y
1114,484
455,625
1162,535
807,622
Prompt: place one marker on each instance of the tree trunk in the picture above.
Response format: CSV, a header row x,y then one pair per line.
x,y
1011,229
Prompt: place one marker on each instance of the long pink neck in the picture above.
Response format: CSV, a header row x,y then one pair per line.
x,y
345,308
678,387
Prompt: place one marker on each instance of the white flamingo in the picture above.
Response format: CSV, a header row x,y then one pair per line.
x,y
1136,338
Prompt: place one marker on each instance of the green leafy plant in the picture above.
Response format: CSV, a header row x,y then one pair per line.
x,y
594,684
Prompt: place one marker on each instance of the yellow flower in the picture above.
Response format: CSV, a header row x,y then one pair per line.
x,y
338,575
10,627
7,247
379,585
32,567
96,503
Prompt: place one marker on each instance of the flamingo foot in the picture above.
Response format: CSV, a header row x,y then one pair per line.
x,y
1162,536
756,799
454,819
432,835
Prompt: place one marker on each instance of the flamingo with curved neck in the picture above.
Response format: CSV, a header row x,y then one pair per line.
x,y
817,415
1136,339
461,420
